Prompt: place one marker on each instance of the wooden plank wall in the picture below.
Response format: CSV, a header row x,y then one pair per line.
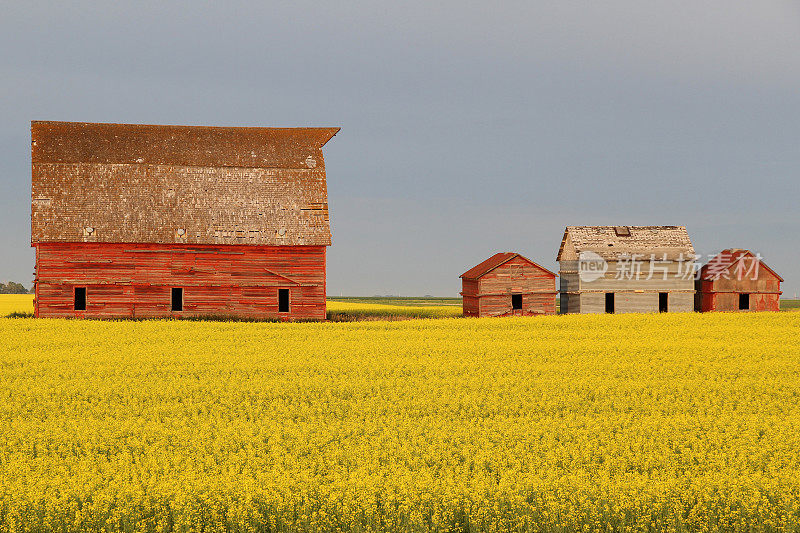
x,y
517,276
635,302
634,295
609,282
532,304
470,305
135,280
722,294
729,301
469,287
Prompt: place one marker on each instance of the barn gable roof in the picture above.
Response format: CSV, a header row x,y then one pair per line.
x,y
495,261
178,184
730,256
613,242
202,146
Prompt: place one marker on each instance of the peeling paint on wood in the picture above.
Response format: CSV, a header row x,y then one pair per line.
x,y
134,280
488,288
720,285
129,211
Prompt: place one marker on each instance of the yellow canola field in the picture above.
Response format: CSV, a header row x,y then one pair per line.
x,y
621,422
23,303
357,309
15,303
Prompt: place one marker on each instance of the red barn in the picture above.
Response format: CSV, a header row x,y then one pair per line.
x,y
508,284
737,280
159,221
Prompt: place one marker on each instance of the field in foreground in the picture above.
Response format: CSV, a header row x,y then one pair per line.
x,y
627,422
347,309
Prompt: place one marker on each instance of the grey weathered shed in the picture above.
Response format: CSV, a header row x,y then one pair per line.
x,y
625,269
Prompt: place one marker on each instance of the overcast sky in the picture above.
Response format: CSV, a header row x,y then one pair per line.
x,y
467,127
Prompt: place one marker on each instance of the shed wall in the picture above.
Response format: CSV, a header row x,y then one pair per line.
x,y
134,280
490,295
729,301
635,302
532,304
616,278
470,305
639,294
469,287
722,294
516,276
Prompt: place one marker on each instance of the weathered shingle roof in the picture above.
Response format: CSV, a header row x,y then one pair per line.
x,y
202,146
495,261
612,242
178,184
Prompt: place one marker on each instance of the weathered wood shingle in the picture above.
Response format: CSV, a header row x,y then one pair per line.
x,y
178,184
613,242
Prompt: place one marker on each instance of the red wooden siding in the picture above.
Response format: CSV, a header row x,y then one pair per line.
x,y
490,294
135,280
722,293
727,301
469,305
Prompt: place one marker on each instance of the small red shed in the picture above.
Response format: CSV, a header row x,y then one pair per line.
x,y
737,280
508,284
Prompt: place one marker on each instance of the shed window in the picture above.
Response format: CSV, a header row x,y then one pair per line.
x,y
609,302
283,300
663,302
744,302
80,299
177,299
516,301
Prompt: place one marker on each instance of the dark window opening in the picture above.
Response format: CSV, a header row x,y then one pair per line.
x,y
622,231
609,302
744,302
80,298
516,301
177,299
283,300
663,302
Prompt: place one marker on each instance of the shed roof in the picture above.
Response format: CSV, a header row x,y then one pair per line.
x,y
613,242
178,184
495,261
728,257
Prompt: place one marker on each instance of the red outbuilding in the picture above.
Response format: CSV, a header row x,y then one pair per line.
x,y
159,221
508,284
737,280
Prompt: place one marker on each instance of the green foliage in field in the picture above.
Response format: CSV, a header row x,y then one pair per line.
x,y
12,287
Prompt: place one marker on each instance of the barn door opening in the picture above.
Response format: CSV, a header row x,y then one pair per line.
x,y
663,302
283,300
177,299
80,299
744,302
516,301
609,302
